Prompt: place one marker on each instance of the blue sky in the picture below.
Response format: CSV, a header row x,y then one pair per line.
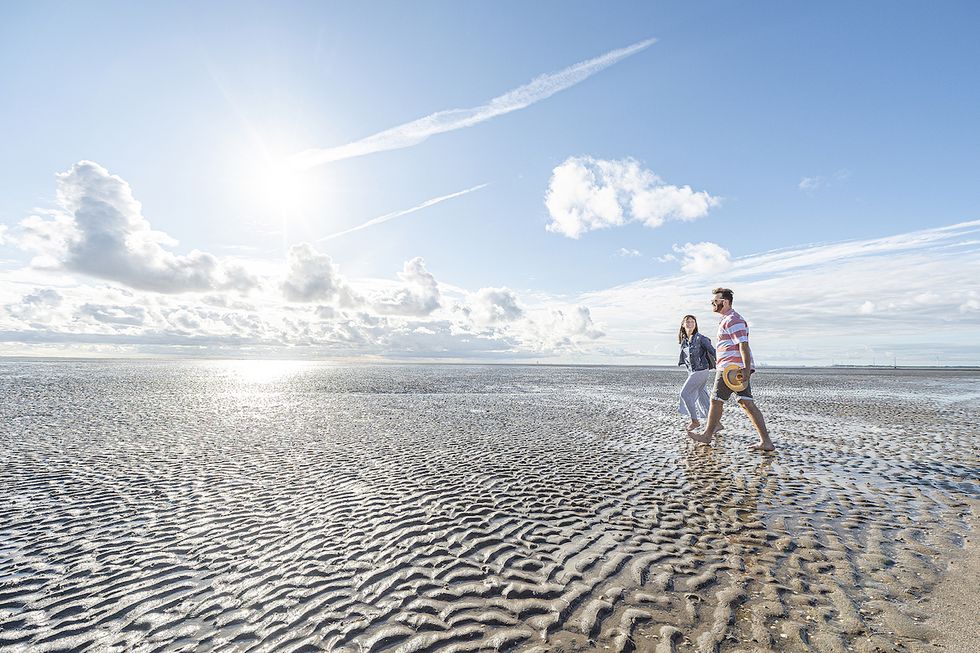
x,y
804,124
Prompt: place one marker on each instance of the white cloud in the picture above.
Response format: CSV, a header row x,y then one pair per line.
x,y
185,319
563,329
802,303
971,303
99,230
415,132
43,297
867,308
816,182
311,276
704,258
585,194
494,306
397,214
418,296
126,315
624,252
811,183
38,308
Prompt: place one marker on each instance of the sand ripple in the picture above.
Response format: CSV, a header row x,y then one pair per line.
x,y
189,507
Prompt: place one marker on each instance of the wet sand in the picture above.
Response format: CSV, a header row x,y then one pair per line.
x,y
954,605
215,507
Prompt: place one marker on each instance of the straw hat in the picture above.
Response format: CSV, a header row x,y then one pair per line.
x,y
734,378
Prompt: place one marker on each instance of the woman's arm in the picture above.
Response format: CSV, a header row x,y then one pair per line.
x,y
707,343
710,352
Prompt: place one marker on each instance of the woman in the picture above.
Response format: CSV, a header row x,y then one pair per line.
x,y
698,355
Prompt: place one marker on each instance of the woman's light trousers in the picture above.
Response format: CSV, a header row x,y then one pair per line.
x,y
694,395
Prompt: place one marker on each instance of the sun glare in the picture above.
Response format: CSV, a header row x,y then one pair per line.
x,y
255,372
279,186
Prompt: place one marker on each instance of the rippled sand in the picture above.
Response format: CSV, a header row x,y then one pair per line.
x,y
249,507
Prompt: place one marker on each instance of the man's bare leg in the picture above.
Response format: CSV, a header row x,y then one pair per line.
x,y
714,417
755,416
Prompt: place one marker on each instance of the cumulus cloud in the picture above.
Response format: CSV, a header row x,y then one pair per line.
x,y
311,276
492,306
326,312
99,230
185,319
585,194
704,258
418,296
36,307
624,252
566,328
43,297
802,303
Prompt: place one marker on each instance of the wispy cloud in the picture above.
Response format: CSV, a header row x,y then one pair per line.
x,y
817,303
810,184
398,214
412,133
626,252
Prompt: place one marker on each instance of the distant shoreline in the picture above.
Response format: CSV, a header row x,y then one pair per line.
x,y
763,367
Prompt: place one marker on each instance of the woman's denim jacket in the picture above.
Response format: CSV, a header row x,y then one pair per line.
x,y
702,354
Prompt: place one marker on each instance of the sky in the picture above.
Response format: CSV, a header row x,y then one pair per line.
x,y
543,182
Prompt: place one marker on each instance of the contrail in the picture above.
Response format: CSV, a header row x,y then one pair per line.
x,y
398,214
419,130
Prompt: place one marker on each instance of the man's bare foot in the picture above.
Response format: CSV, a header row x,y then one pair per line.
x,y
720,427
700,437
694,425
765,446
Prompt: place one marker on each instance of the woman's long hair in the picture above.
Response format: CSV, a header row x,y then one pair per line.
x,y
683,333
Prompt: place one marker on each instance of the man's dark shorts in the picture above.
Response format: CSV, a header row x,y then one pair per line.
x,y
722,392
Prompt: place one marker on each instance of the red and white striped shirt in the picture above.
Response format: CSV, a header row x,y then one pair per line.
x,y
732,330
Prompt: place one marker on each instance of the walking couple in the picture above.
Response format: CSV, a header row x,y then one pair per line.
x,y
733,359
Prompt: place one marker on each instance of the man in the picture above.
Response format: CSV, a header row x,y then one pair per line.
x,y
732,347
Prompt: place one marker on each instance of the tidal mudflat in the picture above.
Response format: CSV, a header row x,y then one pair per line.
x,y
217,506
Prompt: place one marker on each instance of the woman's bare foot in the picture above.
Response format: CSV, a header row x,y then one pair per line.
x,y
693,425
720,427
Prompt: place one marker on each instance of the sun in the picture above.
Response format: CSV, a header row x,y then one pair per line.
x,y
280,187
